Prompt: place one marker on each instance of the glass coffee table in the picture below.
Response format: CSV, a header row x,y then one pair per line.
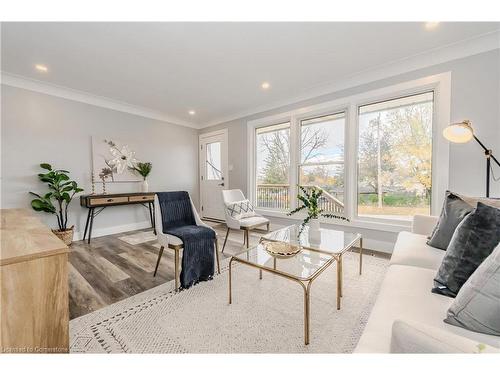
x,y
317,253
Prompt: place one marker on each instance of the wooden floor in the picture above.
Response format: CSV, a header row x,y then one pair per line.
x,y
109,269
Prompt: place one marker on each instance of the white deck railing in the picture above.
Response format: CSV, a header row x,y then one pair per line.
x,y
277,196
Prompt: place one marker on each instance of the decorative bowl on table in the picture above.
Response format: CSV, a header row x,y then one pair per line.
x,y
280,249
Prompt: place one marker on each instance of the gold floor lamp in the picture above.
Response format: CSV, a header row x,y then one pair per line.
x,y
462,132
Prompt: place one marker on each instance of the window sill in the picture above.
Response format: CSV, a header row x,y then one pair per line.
x,y
357,223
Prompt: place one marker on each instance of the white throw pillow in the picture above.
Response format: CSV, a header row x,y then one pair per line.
x,y
241,209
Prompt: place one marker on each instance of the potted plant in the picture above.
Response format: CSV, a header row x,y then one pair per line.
x,y
143,169
57,200
310,200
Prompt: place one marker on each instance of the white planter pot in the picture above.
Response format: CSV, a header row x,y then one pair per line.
x,y
314,233
145,186
314,225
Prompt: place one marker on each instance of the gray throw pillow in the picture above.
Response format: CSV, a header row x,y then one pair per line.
x,y
477,305
453,212
474,240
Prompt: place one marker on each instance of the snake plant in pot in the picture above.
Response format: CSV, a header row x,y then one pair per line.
x,y
57,199
310,201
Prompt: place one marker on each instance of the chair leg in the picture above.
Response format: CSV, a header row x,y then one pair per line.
x,y
158,261
225,240
176,269
217,255
268,227
247,236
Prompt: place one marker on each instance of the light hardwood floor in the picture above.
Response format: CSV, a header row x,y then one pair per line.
x,y
109,269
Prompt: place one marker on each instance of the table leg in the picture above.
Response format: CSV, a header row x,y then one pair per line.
x,y
339,282
341,264
260,274
87,224
307,312
360,255
151,215
230,278
91,224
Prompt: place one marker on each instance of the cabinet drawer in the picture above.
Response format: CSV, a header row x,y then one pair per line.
x,y
105,201
140,198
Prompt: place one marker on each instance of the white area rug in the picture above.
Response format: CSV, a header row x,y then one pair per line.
x,y
266,316
137,238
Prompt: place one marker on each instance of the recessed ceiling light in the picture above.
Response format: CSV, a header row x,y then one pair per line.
x,y
41,68
192,113
265,85
431,25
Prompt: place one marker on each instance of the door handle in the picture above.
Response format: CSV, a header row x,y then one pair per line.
x,y
222,184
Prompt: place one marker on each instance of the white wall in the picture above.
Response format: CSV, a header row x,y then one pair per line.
x,y
475,95
41,128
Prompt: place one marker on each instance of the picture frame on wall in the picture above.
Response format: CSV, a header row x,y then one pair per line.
x,y
112,160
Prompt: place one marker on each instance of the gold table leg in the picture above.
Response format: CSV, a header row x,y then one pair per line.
x,y
339,281
360,255
306,288
307,312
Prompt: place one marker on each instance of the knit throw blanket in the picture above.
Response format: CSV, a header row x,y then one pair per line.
x,y
178,220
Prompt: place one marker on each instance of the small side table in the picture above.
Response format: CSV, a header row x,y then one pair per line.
x,y
101,201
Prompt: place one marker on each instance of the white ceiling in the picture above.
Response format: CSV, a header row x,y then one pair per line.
x,y
215,69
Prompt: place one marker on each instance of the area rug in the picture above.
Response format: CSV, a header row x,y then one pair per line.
x,y
266,315
138,238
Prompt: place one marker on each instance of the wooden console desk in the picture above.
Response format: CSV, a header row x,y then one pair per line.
x,y
101,201
34,312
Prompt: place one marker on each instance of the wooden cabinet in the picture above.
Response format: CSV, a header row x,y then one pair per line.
x,y
34,311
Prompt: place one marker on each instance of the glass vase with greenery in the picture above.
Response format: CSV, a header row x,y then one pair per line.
x,y
56,201
310,201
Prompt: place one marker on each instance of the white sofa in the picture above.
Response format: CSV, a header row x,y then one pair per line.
x,y
405,306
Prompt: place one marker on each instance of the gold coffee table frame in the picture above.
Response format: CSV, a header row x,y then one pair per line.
x,y
305,282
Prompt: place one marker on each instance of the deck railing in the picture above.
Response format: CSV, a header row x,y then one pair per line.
x,y
277,196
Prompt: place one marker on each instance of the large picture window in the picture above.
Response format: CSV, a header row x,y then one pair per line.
x,y
273,166
395,157
322,158
378,155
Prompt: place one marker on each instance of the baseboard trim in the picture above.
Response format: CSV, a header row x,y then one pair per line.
x,y
99,232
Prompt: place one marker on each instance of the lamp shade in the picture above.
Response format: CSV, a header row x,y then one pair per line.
x,y
461,132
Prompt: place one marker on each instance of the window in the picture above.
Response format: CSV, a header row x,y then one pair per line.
x,y
395,157
378,156
272,146
322,158
213,160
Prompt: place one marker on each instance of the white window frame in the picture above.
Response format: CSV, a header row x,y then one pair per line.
x,y
440,84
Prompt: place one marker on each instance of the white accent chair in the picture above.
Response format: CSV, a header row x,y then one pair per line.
x,y
246,224
175,243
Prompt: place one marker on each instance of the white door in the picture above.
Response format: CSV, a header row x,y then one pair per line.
x,y
213,173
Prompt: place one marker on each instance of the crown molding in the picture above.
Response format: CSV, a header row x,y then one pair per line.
x,y
26,83
468,47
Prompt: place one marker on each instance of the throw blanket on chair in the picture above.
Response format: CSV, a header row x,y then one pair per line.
x,y
178,220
